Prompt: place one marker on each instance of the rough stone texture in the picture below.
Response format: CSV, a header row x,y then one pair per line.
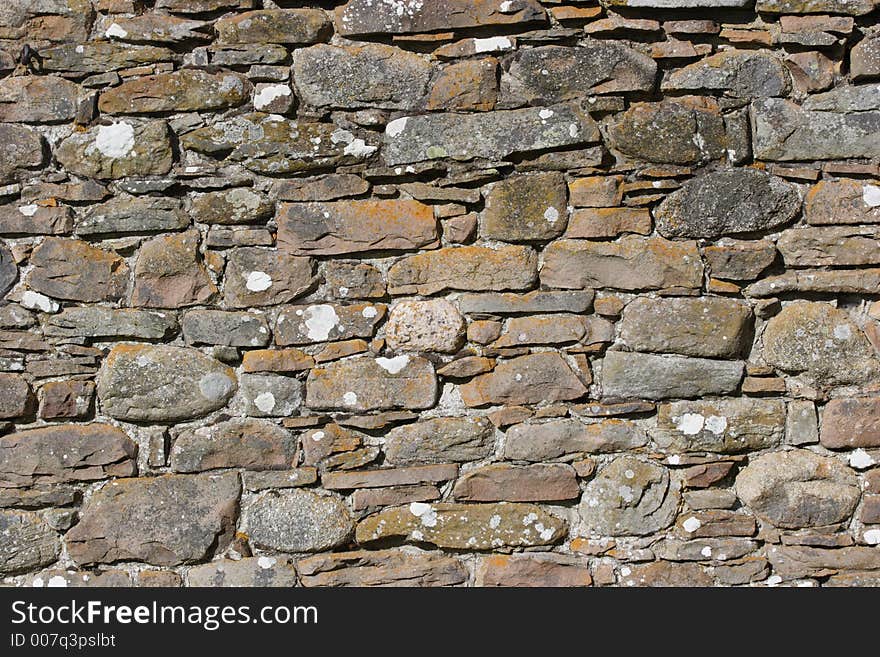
x,y
798,489
169,274
397,568
851,423
100,322
298,521
517,483
649,376
165,521
26,542
533,441
524,208
250,571
37,99
841,202
727,426
301,325
541,377
545,570
434,325
132,214
240,442
440,440
120,149
239,205
831,245
187,90
260,277
76,271
741,74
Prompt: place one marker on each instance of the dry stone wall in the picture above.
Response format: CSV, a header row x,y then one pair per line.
x,y
405,292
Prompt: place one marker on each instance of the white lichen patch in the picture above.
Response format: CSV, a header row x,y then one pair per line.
x,y
28,210
266,562
115,140
215,386
551,215
359,148
860,459
690,424
691,525
319,321
393,365
717,424
842,332
872,537
492,44
36,301
395,127
425,513
57,582
369,312
116,30
265,401
349,399
871,195
258,281
269,94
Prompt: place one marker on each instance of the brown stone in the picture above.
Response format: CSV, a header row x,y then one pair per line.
x,y
714,523
373,498
469,85
851,422
124,148
842,202
834,246
76,271
299,325
389,477
15,396
37,99
66,399
705,474
287,26
382,568
169,273
236,443
277,360
596,223
665,574
596,191
431,325
792,562
186,90
32,219
739,260
544,570
516,483
539,441
532,379
321,188
526,207
262,277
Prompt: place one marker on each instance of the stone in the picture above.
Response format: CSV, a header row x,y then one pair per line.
x,y
821,342
300,325
489,135
418,474
631,263
864,59
739,260
856,281
798,488
521,570
397,568
169,274
801,424
477,268
525,207
665,573
344,227
146,383
738,73
850,7
165,521
539,301
373,498
109,323
364,17
469,85
66,399
186,90
499,482
75,271
286,26
250,571
322,188
530,379
270,395
842,202
784,131
296,520
220,327
282,360
542,441
554,329
328,441
23,148
126,214
792,562
37,99
26,542
727,202
829,245
851,422
629,497
712,327
235,443
364,383
154,28
64,453
124,148
366,75
596,191
238,205
464,526
256,480
35,220
726,425
669,132
431,325
596,223
440,440
15,396
649,376
258,277
704,549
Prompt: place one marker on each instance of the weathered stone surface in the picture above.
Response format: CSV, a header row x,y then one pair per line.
x,y
239,205
794,561
367,75
65,453
364,17
479,268
355,226
631,263
739,260
169,273
821,342
526,207
864,59
531,379
490,135
597,223
544,570
713,327
15,396
464,526
842,202
250,571
541,441
829,245
465,85
539,301
384,477
518,483
725,425
629,497
738,73
406,567
287,26
128,147
785,131
727,202
432,325
233,329
669,132
76,271
270,395
66,399
26,542
704,549
236,443
299,325
550,74
553,329
297,520
281,360
851,7
23,148
132,214
798,489
154,28
32,219
32,99
260,277
99,322
440,440
665,573
8,270
186,90
100,57
146,383
648,376
852,422
166,520
855,281
365,383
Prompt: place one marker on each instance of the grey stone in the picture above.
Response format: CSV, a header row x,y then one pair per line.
x,y
648,376
526,207
235,443
851,7
801,424
239,205
32,219
440,440
539,301
725,425
250,571
530,379
845,98
37,99
396,568
8,270
101,57
300,325
219,327
430,325
100,322
22,148
541,441
288,26
271,395
26,542
677,4
835,246
739,73
263,277
132,214
704,549
129,147
298,521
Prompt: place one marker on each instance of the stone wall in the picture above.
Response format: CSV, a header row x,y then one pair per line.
x,y
440,292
